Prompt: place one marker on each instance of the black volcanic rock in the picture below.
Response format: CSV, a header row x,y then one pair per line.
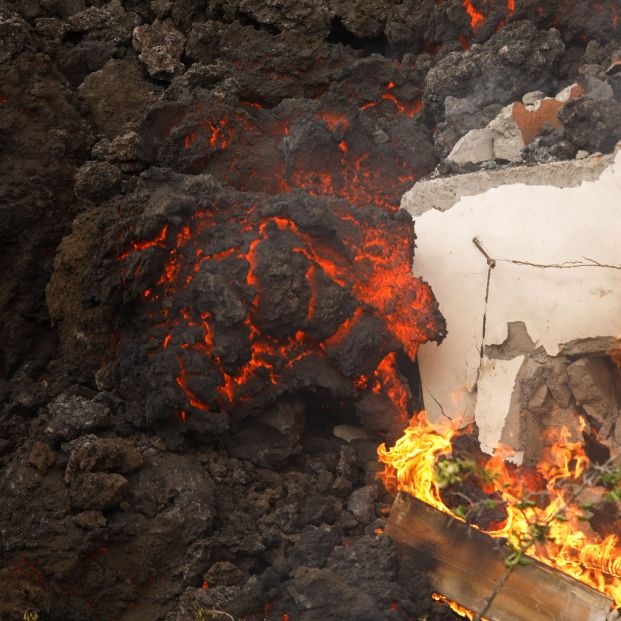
x,y
516,60
232,281
256,305
97,181
592,124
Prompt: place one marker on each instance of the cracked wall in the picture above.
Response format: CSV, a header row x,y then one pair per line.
x,y
523,272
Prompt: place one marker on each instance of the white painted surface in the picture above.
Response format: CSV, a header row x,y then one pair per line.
x,y
495,387
571,228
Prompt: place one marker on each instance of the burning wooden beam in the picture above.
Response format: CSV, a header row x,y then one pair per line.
x,y
466,565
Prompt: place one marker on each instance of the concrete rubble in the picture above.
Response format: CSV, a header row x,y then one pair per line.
x,y
517,125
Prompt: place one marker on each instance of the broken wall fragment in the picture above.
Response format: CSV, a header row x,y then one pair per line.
x,y
524,273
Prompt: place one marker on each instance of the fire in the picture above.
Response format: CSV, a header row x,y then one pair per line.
x,y
455,607
570,547
411,461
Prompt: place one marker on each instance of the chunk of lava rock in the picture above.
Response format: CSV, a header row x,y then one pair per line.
x,y
41,457
71,416
97,181
224,573
324,593
592,124
13,34
517,59
91,453
97,490
361,503
262,445
117,94
89,520
287,417
97,17
120,150
160,46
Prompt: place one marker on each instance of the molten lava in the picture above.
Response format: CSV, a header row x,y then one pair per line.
x,y
476,17
572,547
217,310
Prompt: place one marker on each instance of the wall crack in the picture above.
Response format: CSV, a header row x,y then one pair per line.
x,y
565,265
491,264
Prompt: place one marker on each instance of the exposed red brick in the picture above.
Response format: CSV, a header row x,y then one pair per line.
x,y
531,122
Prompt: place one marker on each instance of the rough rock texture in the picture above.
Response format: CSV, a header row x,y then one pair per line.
x,y
516,60
592,124
97,181
14,33
117,95
160,45
593,386
44,139
280,137
71,415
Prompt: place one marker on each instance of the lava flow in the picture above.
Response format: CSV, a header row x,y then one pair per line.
x,y
302,267
571,547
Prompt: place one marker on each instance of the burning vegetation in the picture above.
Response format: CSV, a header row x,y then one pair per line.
x,y
542,511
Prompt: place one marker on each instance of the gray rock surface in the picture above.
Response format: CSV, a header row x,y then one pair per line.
x,y
362,503
160,45
97,181
71,416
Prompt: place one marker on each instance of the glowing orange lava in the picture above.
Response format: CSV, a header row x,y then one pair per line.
x,y
370,264
572,547
476,17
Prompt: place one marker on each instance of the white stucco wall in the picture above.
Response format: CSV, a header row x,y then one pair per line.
x,y
557,253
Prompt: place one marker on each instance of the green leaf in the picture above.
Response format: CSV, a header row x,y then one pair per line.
x,y
460,511
526,504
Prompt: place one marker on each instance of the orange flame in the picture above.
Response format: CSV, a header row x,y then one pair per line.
x,y
571,547
455,607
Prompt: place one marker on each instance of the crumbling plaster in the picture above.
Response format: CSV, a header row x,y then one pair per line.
x,y
539,245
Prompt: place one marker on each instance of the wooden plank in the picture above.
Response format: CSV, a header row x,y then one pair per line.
x,y
464,565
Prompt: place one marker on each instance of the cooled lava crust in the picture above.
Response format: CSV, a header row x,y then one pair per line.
x,y
205,271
